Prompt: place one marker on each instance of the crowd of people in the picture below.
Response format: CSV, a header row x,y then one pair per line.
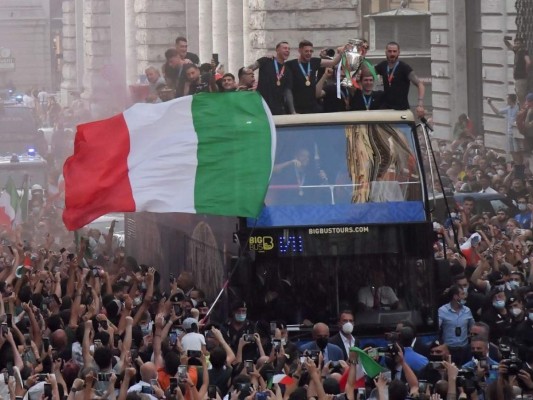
x,y
302,85
82,320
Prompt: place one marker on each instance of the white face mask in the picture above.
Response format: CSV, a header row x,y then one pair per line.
x,y
516,311
347,328
522,207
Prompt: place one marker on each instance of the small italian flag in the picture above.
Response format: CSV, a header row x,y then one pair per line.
x,y
210,153
9,201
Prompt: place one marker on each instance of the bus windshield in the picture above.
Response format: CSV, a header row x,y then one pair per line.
x,y
338,174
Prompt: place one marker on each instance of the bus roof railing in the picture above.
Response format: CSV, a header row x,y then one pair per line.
x,y
346,117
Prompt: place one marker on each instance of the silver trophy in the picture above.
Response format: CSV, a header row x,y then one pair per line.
x,y
352,61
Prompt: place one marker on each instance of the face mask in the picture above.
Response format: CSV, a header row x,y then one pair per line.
x,y
462,302
513,284
501,287
347,328
465,289
478,355
501,172
283,341
522,207
146,329
499,303
516,311
240,317
194,302
322,343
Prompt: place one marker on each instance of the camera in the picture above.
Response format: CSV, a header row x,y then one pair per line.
x,y
466,379
390,351
249,338
261,396
513,364
393,336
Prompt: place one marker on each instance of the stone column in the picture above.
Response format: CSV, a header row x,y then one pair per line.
x,y
131,43
220,30
97,37
158,24
205,13
193,25
69,81
235,36
248,59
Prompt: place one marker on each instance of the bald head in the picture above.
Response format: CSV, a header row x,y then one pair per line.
x,y
148,371
320,330
59,339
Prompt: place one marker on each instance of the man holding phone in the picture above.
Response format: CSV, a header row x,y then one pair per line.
x,y
192,341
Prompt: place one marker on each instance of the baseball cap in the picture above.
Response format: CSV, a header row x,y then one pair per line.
x,y
188,323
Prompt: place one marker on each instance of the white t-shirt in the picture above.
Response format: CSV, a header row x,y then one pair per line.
x,y
385,296
192,341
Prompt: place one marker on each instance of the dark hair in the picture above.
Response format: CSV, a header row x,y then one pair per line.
x,y
305,43
331,386
397,390
229,74
172,362
453,290
479,338
181,39
187,67
469,198
393,44
171,53
217,357
512,97
102,356
241,72
280,43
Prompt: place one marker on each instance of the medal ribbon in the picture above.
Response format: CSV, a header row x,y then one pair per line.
x,y
279,74
390,74
308,75
367,103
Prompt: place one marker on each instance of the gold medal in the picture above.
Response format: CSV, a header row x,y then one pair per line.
x,y
307,83
278,83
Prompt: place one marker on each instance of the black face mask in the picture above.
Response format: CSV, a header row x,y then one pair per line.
x,y
322,343
478,355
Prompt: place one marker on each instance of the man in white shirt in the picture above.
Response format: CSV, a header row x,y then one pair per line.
x,y
148,372
376,295
192,340
344,339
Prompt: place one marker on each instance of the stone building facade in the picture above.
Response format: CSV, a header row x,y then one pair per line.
x,y
470,63
25,48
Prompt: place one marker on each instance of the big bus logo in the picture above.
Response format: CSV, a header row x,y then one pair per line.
x,y
261,243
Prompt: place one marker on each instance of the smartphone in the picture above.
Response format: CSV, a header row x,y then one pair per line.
x,y
173,384
104,325
46,344
177,309
373,352
27,339
42,377
314,355
9,367
212,392
215,58
182,373
261,396
422,386
249,365
147,390
194,353
361,394
387,375
154,382
9,320
276,343
48,390
273,327
173,338
103,376
116,339
134,352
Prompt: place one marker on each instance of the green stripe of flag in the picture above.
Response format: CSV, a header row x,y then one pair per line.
x,y
234,153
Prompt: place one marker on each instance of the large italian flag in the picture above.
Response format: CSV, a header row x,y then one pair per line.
x,y
210,153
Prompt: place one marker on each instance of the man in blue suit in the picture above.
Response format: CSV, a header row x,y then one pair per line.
x,y
330,351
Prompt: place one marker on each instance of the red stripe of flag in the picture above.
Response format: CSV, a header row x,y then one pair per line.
x,y
96,176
